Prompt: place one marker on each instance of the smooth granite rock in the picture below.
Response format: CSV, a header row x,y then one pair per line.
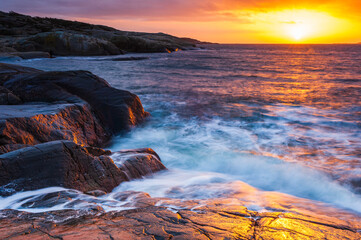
x,y
213,219
22,125
72,105
66,164
117,109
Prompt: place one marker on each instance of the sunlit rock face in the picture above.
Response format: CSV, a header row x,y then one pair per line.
x,y
66,164
117,109
144,217
39,123
73,105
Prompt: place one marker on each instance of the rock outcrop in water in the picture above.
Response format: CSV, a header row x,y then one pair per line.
x,y
60,37
66,164
73,105
42,107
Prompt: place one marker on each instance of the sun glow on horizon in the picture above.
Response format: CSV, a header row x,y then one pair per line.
x,y
299,26
299,31
254,26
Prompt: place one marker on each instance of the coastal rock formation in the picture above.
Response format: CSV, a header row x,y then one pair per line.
x,y
60,37
117,109
136,163
22,125
66,43
7,97
214,220
66,164
8,71
73,105
41,107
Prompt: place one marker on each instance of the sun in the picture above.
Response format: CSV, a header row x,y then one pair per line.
x,y
298,31
303,25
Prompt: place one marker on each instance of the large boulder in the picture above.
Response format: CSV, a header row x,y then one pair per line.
x,y
66,164
73,105
117,109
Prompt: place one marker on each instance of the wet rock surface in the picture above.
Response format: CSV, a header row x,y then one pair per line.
x,y
61,37
136,163
66,164
215,219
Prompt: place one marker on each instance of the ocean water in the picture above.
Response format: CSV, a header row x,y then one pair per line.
x,y
271,118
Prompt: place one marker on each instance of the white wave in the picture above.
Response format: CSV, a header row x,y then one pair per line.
x,y
226,148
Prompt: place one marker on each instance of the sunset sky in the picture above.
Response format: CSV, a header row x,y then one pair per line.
x,y
227,21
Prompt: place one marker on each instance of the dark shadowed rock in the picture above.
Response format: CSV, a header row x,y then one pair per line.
x,y
12,147
24,55
66,43
117,109
11,70
73,105
7,97
124,59
66,164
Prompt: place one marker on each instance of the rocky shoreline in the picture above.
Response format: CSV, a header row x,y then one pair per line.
x,y
52,125
156,218
27,37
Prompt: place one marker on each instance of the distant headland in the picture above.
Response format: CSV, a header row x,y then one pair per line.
x,y
29,37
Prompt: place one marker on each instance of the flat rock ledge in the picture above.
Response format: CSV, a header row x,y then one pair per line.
x,y
216,220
